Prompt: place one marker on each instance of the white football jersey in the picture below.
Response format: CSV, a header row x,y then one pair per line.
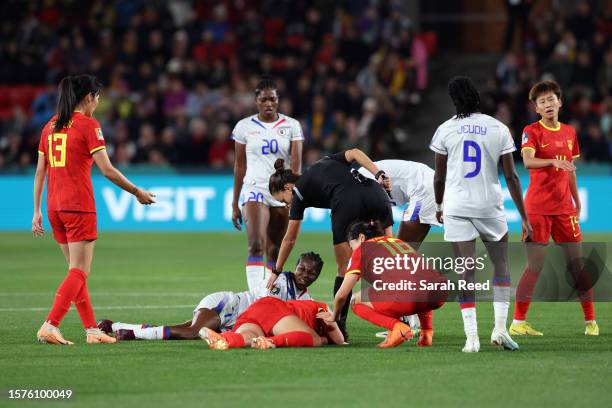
x,y
266,142
473,146
408,179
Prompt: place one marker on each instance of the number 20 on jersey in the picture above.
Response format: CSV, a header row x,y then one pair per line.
x,y
57,144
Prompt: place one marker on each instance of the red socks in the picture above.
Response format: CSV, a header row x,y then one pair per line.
x,y
425,319
235,340
372,316
293,339
524,291
65,295
83,306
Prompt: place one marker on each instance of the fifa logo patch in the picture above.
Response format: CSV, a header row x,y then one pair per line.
x,y
99,134
569,144
525,138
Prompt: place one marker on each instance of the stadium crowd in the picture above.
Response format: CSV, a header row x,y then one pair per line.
x,y
572,47
179,74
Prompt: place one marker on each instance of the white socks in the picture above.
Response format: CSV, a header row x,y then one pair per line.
x,y
150,333
125,326
501,304
470,326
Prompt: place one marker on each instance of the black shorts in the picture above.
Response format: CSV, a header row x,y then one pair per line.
x,y
366,202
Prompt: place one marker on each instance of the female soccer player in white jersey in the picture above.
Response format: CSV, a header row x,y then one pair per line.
x,y
261,139
412,185
469,148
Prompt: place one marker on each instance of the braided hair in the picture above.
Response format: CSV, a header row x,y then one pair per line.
x,y
266,82
314,258
465,96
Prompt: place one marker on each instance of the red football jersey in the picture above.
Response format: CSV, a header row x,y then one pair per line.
x,y
548,192
69,156
307,311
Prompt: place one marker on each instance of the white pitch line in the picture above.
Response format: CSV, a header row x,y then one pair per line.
x,y
125,307
134,294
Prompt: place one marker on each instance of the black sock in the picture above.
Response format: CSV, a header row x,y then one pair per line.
x,y
345,308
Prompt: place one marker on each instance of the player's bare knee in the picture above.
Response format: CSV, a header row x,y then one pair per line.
x,y
256,247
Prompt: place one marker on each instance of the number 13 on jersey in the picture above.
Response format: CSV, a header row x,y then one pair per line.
x,y
57,144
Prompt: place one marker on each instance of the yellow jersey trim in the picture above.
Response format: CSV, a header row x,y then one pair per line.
x,y
354,272
92,151
41,153
527,148
549,128
576,156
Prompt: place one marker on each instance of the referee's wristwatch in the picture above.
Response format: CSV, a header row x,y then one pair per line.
x,y
380,173
274,271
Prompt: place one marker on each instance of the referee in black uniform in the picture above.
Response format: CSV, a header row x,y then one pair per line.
x,y
332,183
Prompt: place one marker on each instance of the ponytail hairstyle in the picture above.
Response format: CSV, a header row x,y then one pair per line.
x,y
266,82
72,90
370,229
281,176
465,96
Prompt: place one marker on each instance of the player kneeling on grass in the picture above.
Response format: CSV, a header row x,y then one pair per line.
x,y
219,311
386,313
271,322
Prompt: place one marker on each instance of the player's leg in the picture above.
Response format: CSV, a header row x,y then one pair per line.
x,y
342,252
277,227
387,315
566,232
256,219
290,331
490,230
536,255
413,232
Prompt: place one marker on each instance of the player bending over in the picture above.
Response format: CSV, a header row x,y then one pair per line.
x,y
271,322
386,313
219,311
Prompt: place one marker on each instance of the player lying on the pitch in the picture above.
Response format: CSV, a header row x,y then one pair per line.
x,y
219,311
271,322
386,313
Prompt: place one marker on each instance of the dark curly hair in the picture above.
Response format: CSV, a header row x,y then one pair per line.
x,y
281,176
266,82
312,257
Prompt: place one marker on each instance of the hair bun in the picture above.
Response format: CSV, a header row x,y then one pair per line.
x,y
279,164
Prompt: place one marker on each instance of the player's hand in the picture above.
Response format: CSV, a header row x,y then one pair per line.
x,y
578,208
564,165
527,231
440,217
326,316
37,228
236,217
144,197
271,281
385,182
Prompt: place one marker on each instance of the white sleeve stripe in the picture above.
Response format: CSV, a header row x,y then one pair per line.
x,y
437,150
508,150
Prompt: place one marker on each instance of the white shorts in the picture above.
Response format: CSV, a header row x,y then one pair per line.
x,y
460,229
422,210
258,193
226,304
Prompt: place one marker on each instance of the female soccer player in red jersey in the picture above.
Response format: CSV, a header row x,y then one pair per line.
x,y
260,140
552,202
271,322
70,142
387,311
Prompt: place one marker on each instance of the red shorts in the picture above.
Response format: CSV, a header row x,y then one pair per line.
x,y
73,226
563,228
265,313
399,309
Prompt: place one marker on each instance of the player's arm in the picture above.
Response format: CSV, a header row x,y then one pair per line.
x,y
39,184
516,192
333,333
532,162
110,172
239,172
349,282
356,155
296,156
439,182
573,185
293,230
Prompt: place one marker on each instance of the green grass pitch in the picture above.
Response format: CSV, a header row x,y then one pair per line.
x,y
160,277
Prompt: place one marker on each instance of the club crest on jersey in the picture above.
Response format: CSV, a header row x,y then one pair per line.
x,y
282,131
569,144
525,138
99,134
275,290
